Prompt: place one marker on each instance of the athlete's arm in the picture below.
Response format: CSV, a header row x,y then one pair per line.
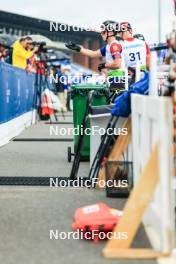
x,y
91,53
87,52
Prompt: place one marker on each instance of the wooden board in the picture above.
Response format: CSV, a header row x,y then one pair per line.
x,y
134,253
118,149
134,209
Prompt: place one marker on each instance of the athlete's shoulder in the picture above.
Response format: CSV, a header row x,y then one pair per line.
x,y
115,46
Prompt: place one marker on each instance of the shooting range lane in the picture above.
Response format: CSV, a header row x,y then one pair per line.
x,y
42,130
35,158
28,213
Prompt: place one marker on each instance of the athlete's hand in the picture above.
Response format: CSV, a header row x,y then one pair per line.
x,y
101,66
73,46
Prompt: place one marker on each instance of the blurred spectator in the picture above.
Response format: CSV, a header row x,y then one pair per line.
x,y
31,64
21,53
40,63
3,53
57,74
66,72
59,86
32,61
162,56
78,78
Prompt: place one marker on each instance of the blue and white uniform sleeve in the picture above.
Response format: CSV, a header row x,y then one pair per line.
x,y
103,51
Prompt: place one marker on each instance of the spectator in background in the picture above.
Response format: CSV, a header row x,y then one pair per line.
x,y
59,82
3,53
31,64
21,53
32,61
78,78
67,86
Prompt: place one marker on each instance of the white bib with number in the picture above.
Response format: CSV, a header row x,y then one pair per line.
x,y
134,53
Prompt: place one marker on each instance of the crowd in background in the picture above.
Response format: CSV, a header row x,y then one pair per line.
x,y
21,54
26,55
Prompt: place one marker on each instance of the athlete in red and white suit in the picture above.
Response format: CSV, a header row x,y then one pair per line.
x,y
136,51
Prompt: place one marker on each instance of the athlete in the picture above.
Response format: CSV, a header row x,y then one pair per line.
x,y
136,51
114,61
139,36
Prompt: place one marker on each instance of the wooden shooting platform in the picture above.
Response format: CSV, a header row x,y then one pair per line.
x,y
133,212
153,181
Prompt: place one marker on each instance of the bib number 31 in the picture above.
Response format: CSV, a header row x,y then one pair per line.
x,y
134,56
